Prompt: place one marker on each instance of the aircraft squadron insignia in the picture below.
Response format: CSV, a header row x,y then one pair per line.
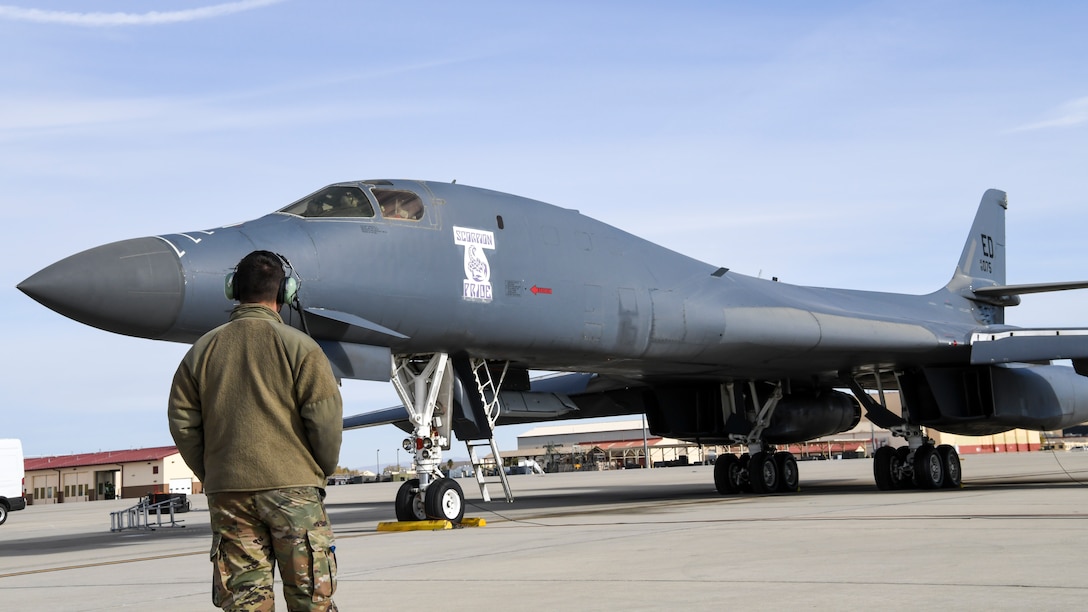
x,y
477,284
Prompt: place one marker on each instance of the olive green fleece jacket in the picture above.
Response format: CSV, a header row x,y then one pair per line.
x,y
254,406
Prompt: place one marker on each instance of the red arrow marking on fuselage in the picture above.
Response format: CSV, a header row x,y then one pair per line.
x,y
538,290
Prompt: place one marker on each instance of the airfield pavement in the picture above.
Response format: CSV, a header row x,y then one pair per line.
x,y
1015,537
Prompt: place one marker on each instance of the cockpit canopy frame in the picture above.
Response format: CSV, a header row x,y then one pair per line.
x,y
358,201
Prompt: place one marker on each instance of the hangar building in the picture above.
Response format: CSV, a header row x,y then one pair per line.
x,y
105,475
625,444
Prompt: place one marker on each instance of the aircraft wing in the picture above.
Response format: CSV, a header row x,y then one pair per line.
x,y
574,395
385,416
1028,345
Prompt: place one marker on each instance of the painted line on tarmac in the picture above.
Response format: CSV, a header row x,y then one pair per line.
x,y
101,564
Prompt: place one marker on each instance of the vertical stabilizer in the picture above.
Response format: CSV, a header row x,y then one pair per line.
x,y
982,262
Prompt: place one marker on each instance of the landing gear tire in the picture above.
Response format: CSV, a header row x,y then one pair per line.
x,y
763,473
727,470
928,468
445,500
886,468
409,503
950,459
789,480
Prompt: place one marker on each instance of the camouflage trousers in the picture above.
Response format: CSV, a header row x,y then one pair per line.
x,y
251,531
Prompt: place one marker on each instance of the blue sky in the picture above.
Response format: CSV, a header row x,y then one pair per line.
x,y
841,144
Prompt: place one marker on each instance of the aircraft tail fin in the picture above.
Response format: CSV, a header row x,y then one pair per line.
x,y
982,262
980,275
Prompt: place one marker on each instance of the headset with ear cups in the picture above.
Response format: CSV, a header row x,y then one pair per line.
x,y
287,293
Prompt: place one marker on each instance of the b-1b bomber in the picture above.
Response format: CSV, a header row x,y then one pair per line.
x,y
456,293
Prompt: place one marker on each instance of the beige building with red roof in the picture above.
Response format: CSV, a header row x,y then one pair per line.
x,y
92,476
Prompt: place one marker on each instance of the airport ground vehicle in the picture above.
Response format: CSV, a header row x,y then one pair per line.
x,y
11,477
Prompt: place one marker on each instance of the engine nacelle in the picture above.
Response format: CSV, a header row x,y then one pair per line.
x,y
985,400
698,413
806,416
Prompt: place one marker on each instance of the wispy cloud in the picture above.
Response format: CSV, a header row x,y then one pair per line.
x,y
130,19
1070,114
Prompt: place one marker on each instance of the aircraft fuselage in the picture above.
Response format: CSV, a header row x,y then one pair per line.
x,y
507,278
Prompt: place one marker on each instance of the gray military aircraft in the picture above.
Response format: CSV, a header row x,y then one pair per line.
x,y
454,293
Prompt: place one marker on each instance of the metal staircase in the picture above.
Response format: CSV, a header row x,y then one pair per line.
x,y
140,516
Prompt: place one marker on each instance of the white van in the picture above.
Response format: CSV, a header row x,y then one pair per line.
x,y
11,477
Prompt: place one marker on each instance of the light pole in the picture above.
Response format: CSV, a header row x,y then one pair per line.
x,y
378,463
645,445
398,460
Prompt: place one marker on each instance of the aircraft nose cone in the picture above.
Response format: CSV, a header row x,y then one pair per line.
x,y
133,287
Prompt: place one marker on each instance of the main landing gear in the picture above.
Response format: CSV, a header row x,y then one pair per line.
x,y
762,469
919,465
758,472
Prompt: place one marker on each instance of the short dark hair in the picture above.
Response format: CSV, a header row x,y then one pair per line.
x,y
259,277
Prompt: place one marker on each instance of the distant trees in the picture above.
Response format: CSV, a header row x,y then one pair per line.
x,y
343,471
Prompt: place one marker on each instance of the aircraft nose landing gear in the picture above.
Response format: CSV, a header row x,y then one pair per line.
x,y
409,503
424,385
445,500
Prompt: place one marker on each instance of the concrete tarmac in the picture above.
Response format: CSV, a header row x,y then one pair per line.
x,y
1013,538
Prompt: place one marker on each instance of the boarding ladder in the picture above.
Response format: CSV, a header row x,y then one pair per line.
x,y
489,393
140,516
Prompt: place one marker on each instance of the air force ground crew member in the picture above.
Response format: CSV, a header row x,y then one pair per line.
x,y
256,413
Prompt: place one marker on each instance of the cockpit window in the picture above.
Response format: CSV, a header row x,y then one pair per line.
x,y
333,202
399,205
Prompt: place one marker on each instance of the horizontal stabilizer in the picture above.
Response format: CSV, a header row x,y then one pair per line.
x,y
1000,290
1029,345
